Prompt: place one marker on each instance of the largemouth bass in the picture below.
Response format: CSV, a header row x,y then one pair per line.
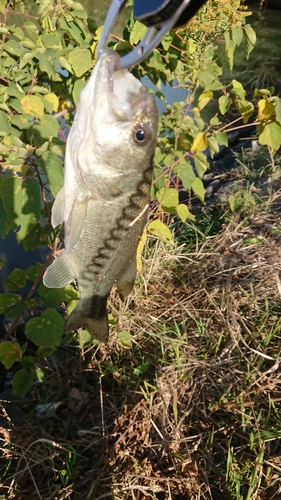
x,y
104,200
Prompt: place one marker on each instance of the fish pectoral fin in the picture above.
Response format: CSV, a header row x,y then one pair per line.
x,y
58,209
78,221
59,273
126,282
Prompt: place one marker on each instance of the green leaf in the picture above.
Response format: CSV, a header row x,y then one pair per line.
x,y
80,60
46,64
43,352
216,85
47,330
232,204
198,189
77,87
201,163
125,339
39,374
222,138
3,220
198,120
74,30
186,174
278,109
15,90
51,166
137,32
261,93
238,92
23,121
200,142
22,382
224,103
13,311
204,99
251,38
33,272
213,146
7,300
10,353
237,34
31,30
169,198
265,109
184,213
230,53
271,135
32,105
51,102
215,121
28,362
54,297
160,230
246,109
167,40
3,4
5,127
85,338
47,128
22,201
14,48
17,279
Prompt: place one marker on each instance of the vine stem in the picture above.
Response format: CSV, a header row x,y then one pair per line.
x,y
33,288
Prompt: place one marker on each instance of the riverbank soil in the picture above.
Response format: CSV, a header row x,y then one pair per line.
x,y
185,400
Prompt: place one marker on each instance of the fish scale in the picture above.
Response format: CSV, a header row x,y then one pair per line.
x,y
108,173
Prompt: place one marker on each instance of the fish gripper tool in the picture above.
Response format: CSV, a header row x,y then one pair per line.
x,y
160,16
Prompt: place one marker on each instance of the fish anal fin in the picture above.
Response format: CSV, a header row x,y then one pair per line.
x,y
126,282
59,273
58,209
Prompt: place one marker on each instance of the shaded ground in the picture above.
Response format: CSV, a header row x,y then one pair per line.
x,y
184,401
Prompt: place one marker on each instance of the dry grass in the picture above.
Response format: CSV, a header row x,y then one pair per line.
x,y
188,406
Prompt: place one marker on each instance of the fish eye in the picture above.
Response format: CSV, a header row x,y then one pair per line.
x,y
142,135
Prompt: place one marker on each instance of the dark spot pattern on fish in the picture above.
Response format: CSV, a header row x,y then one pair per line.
x,y
98,307
99,260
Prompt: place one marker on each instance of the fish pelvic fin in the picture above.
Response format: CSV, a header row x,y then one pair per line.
x,y
93,318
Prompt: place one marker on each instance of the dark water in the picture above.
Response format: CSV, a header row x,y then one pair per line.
x,y
262,69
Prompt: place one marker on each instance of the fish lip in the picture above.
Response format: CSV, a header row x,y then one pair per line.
x,y
118,94
103,92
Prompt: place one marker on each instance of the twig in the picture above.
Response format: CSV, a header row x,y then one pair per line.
x,y
139,216
63,112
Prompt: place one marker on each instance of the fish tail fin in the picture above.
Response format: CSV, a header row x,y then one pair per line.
x,y
97,327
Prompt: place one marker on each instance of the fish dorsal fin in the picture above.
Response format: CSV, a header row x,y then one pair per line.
x,y
59,273
58,209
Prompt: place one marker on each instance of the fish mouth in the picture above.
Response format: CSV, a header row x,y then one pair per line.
x,y
121,96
